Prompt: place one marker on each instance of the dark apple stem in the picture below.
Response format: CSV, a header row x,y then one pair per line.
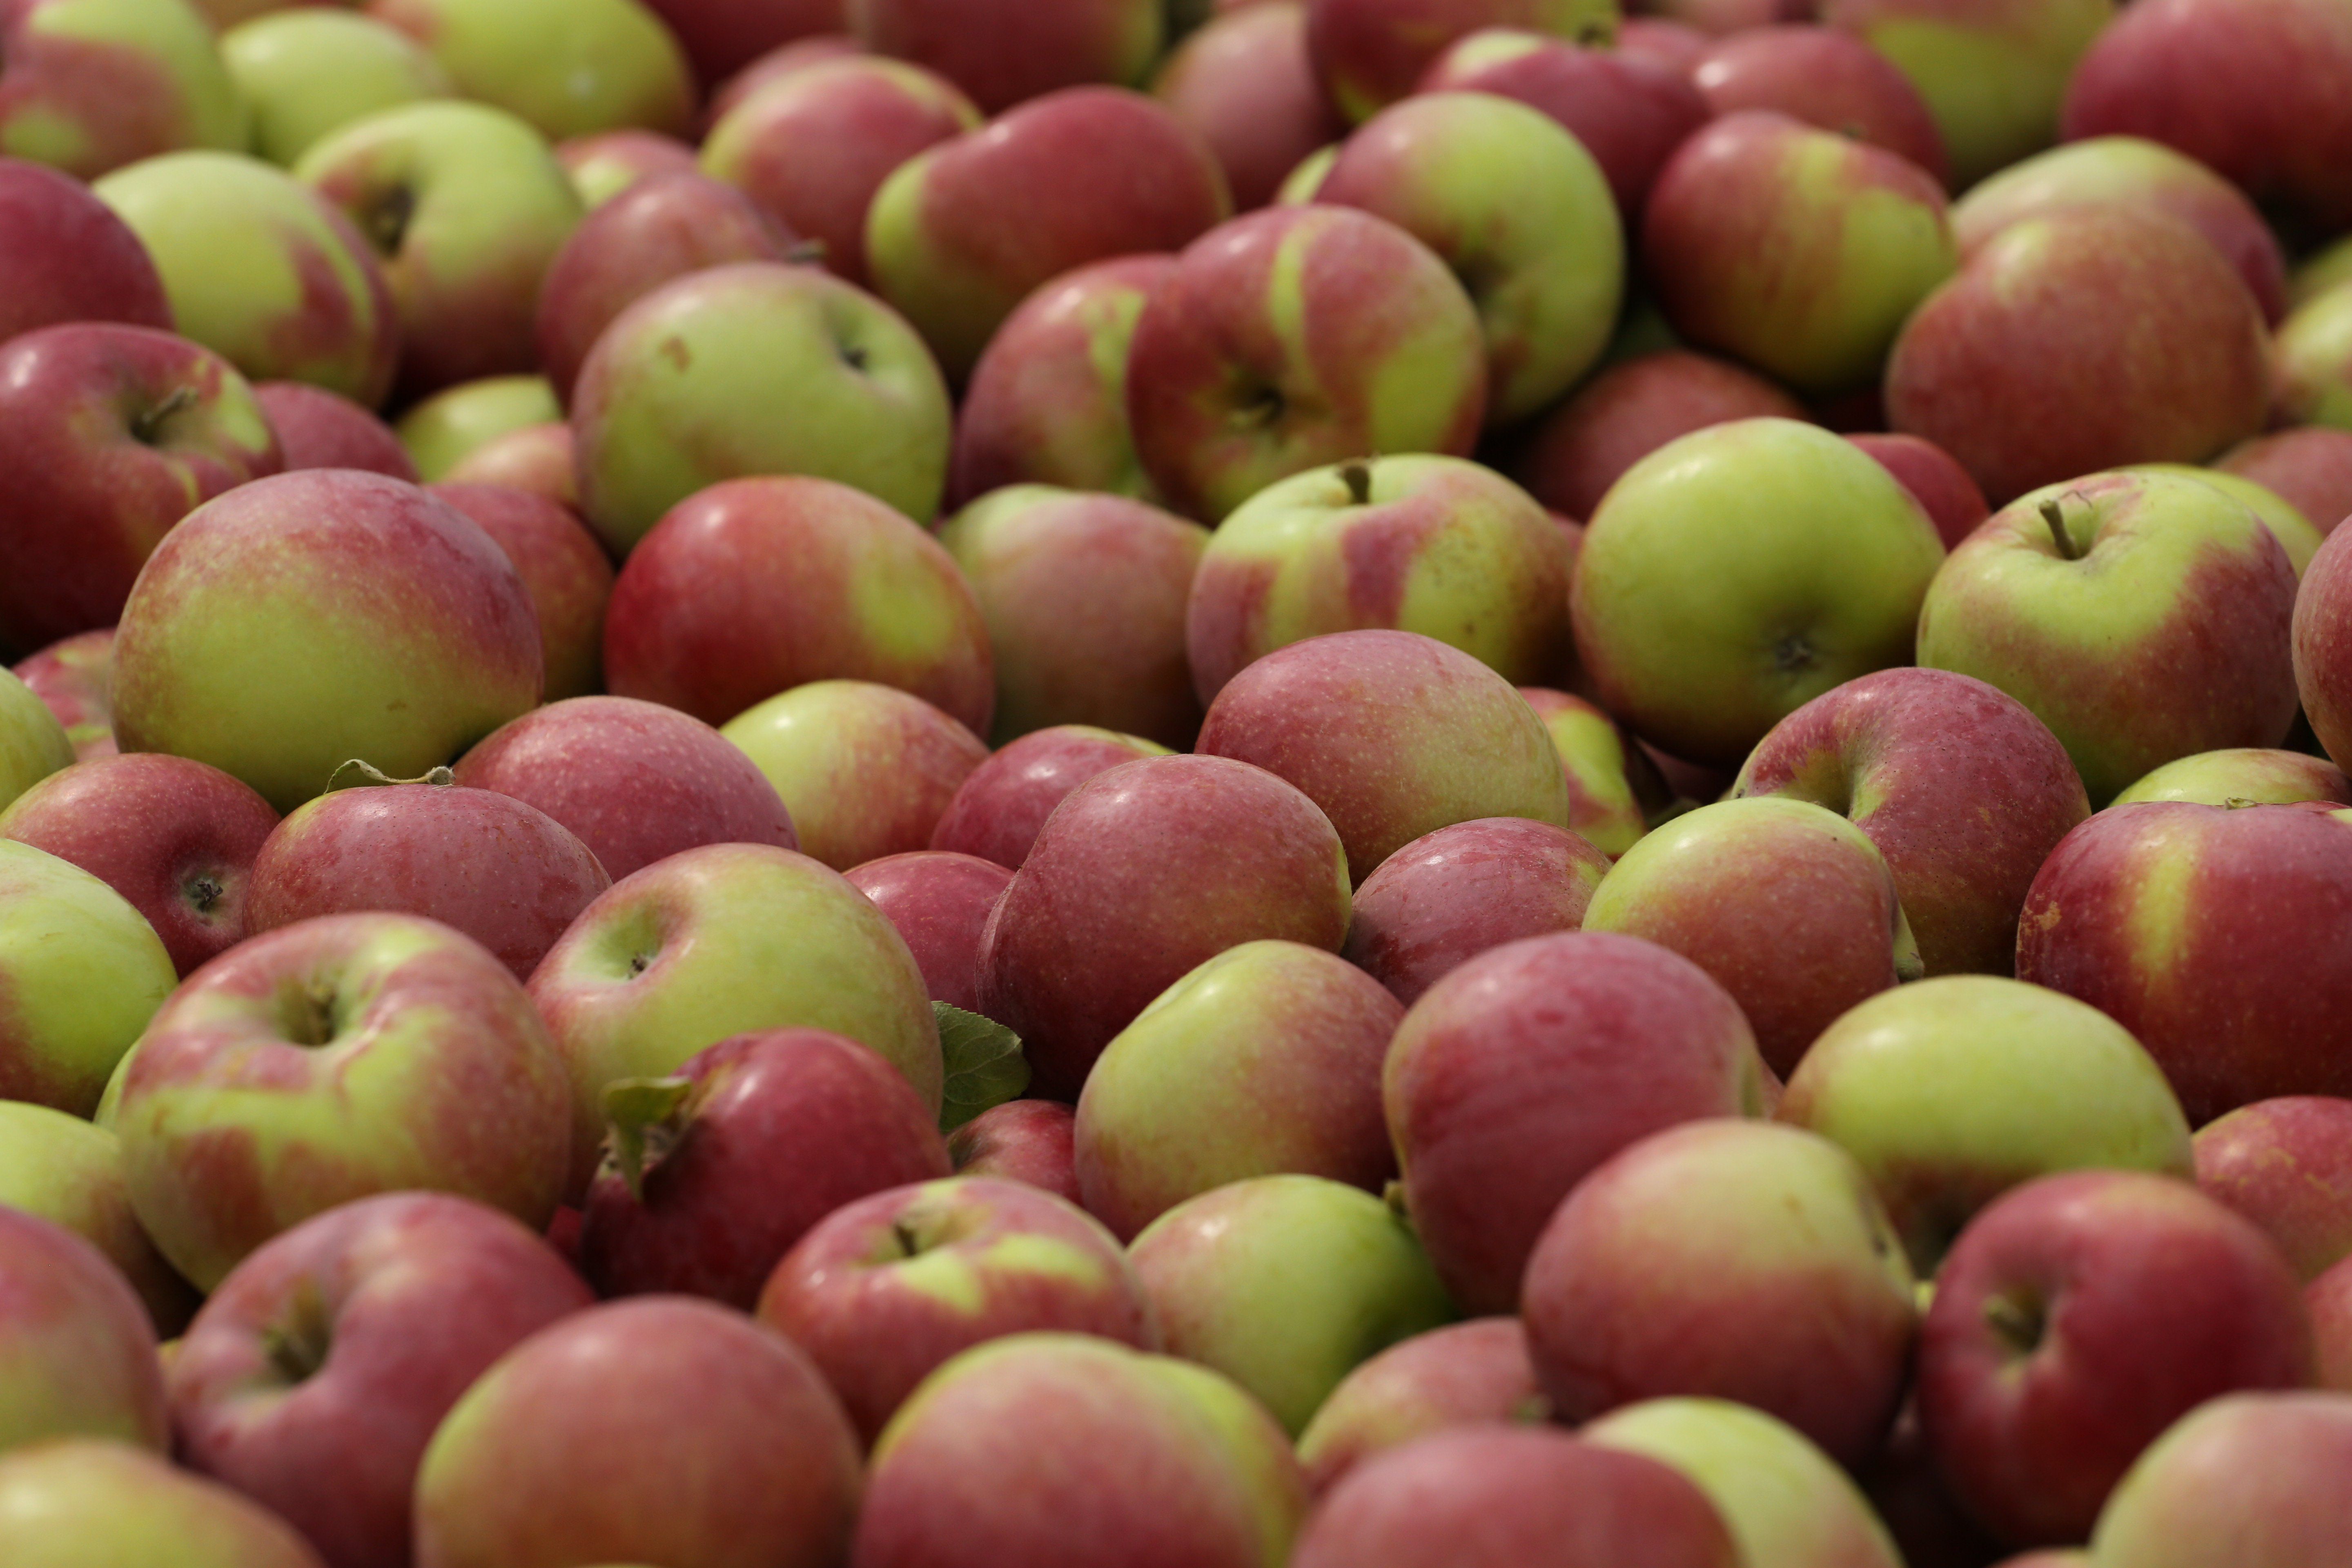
x,y
1357,476
2056,518
148,427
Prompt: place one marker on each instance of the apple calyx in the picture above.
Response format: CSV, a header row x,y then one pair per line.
x,y
1356,475
2055,518
386,219
1260,413
298,1344
147,428
203,891
2019,1320
439,778
647,1116
307,1014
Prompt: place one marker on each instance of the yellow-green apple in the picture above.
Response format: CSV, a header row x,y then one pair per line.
x,y
2077,1317
86,86
76,1352
866,769
1246,82
1435,546
1085,596
1370,53
1952,1092
317,428
2297,533
1082,175
564,569
1285,1284
1046,404
113,434
314,618
1522,1070
1628,110
1294,338
2309,467
1009,52
2031,365
1265,1061
1704,664
1497,1497
307,73
939,902
1464,1373
1078,1451
466,207
660,229
2142,616
83,974
678,395
660,1430
443,431
996,812
1962,789
634,782
174,838
34,743
332,1060
1828,78
65,256
569,67
814,146
534,458
1027,1140
711,1175
2245,1481
61,1169
1144,872
1793,248
2285,1165
603,163
716,942
1992,72
73,678
887,1289
1613,786
1788,1504
1622,415
1451,895
722,36
772,66
2250,775
77,1502
1935,480
316,1374
2322,635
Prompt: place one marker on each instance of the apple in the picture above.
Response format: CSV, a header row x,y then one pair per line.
x,y
2243,773
1517,1074
65,256
1008,52
1829,79
2073,598
1246,82
77,1502
1027,1140
2297,533
2328,1300
1935,479
2078,1317
755,587
316,1374
1003,802
866,769
634,782
61,1169
1674,44
84,975
939,902
91,85
1954,1090
536,458
1293,338
2321,634
1451,895
1705,663
2309,467
678,395
307,73
2314,353
603,163
1613,786
569,66
317,428
659,1430
2245,1481
2287,1166
76,1353
444,430
562,569
1467,1373
722,36
772,66
709,1177
73,680
34,744
1371,53
113,434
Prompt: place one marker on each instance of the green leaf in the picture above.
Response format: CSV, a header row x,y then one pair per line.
x,y
983,1061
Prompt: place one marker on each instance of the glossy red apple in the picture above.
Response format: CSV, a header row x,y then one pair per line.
x,y
1451,895
65,256
1003,801
939,902
322,429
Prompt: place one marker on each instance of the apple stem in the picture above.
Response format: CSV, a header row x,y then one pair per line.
x,y
148,427
1357,476
2056,518
645,1115
807,253
439,778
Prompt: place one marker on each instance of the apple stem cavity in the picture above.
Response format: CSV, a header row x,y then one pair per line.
x,y
1357,476
439,778
147,428
647,1116
297,1347
2020,1321
385,222
307,1014
2055,517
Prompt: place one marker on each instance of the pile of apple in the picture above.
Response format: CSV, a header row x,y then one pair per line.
x,y
1152,783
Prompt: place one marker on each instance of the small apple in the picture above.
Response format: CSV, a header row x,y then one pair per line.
x,y
1022,1140
73,678
84,975
866,769
564,569
999,808
1828,78
939,902
2310,468
1007,52
444,430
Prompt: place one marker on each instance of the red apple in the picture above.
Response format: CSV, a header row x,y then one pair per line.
x,y
999,808
77,1352
74,679
2310,466
940,902
1935,480
2285,1165
65,256
603,163
535,458
564,569
2322,646
866,769
1005,52
1027,1140
317,428
1371,52
2246,1481
1451,895
89,90
1824,78
1246,83
1465,1373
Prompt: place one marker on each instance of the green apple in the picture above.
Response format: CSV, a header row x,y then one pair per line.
x,y
2296,533
571,67
1613,788
446,428
70,1173
309,72
2250,775
92,85
82,973
2315,360
1285,1284
33,744
87,1504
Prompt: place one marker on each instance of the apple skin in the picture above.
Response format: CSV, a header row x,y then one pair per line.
x,y
634,782
1078,1451
1827,79
1001,806
1497,1497
2245,1481
417,637
61,1169
1676,45
887,1289
307,73
442,431
317,428
772,66
73,678
716,942
1246,82
677,397
1370,53
83,973
1935,480
1525,1068
813,147
1451,895
2075,1319
2245,773
1467,1373
2160,630
564,569
1027,1140
77,1502
866,769
1009,52
1952,1092
92,87
77,1352
569,67
113,434
314,1376
1630,410
939,902
174,838
2310,468
750,1458
1144,872
34,742
778,1130
722,36
2031,366
2323,647
1613,785
538,458
1264,1060
1085,598
603,163
67,257
1295,337
1046,404
1079,176
2287,1166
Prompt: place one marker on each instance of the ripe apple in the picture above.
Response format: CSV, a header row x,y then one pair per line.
x,y
317,428
866,769
442,431
537,458
569,67
722,36
34,744
86,86
1467,1373
1003,802
1829,79
2322,638
564,569
1022,1140
83,973
1451,895
772,66
65,256
61,1169
603,163
1613,786
2250,775
1007,52
2246,1481
74,1503
2309,467
1371,53
939,902
77,1352
73,680
1246,82
307,73
2287,1166
2297,533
